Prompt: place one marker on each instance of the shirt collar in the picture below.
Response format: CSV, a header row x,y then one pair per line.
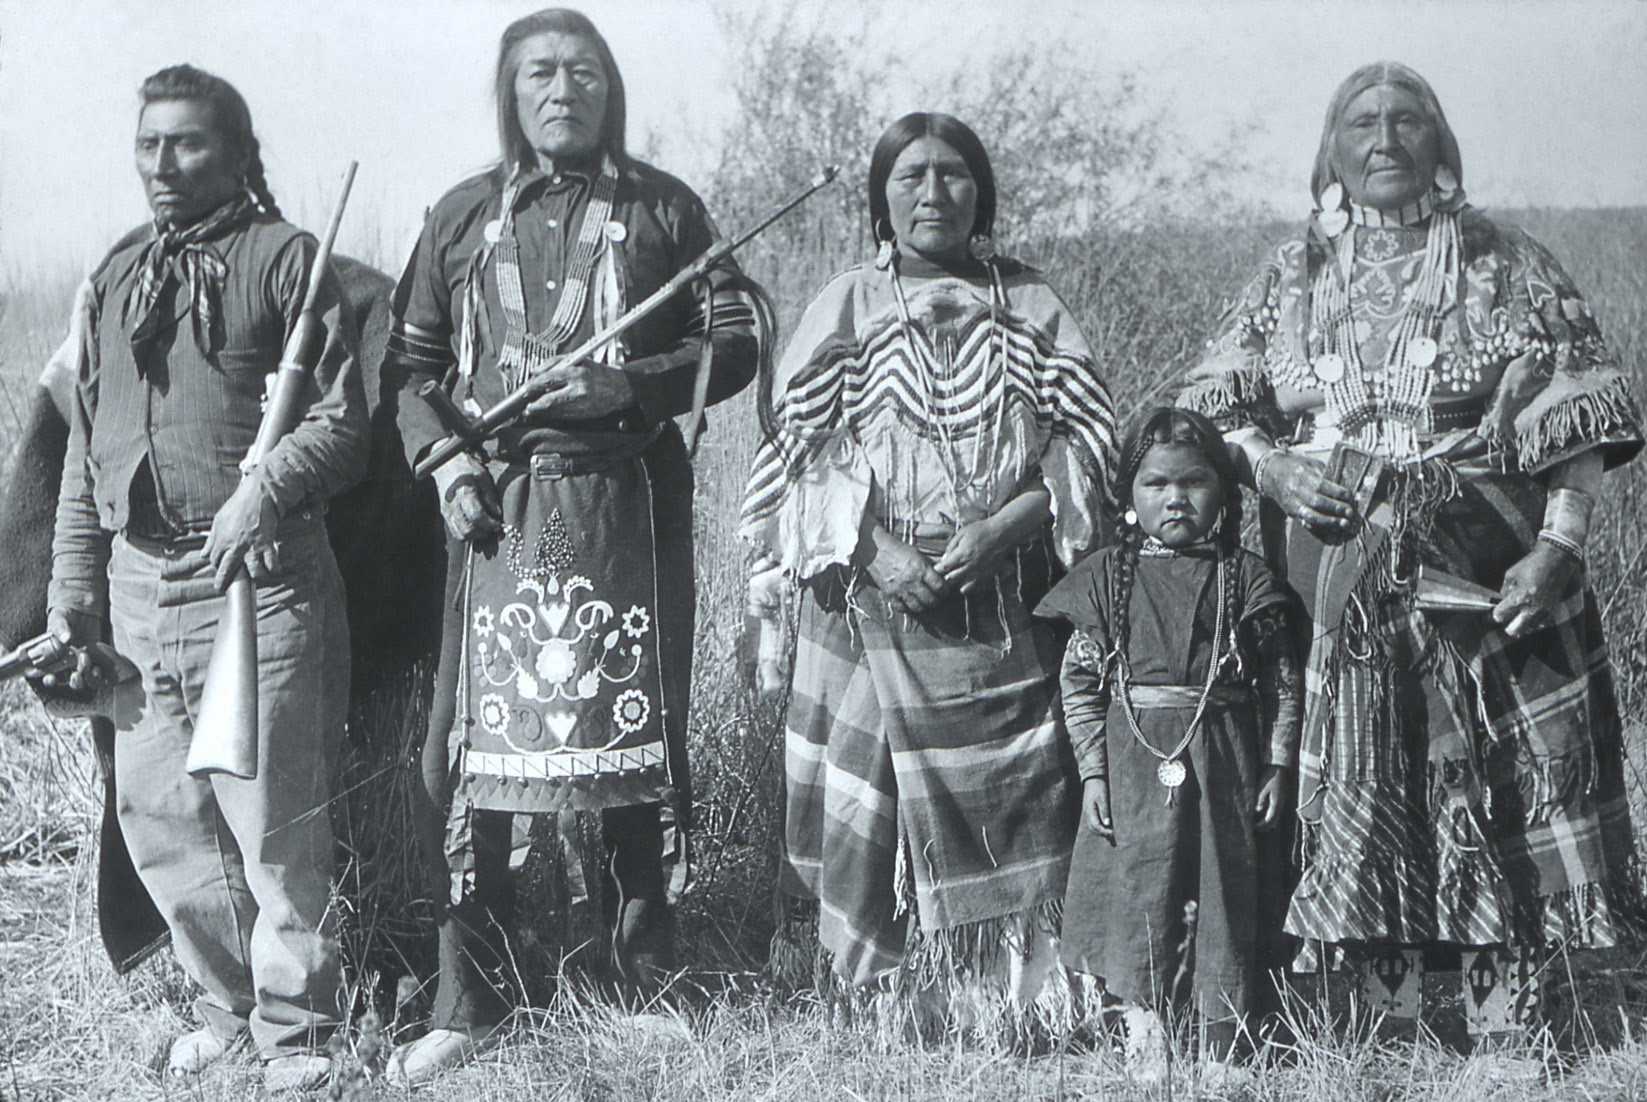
x,y
534,181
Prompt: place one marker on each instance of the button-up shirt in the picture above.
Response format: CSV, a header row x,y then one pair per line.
x,y
657,225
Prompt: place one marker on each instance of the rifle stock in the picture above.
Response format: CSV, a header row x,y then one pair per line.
x,y
225,729
478,430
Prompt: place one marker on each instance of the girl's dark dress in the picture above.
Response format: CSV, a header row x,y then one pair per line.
x,y
1124,912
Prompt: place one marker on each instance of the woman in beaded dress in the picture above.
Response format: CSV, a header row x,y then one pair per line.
x,y
1419,388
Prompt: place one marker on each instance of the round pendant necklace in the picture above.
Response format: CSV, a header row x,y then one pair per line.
x,y
1170,769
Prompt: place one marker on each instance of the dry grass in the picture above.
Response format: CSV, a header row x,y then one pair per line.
x,y
68,1028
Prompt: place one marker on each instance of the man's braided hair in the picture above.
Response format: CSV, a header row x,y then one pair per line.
x,y
229,110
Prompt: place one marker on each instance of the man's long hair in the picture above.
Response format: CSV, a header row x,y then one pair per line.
x,y
229,112
517,151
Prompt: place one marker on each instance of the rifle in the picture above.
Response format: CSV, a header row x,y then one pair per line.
x,y
225,729
469,432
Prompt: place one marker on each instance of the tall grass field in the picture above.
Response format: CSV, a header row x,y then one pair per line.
x,y
1147,295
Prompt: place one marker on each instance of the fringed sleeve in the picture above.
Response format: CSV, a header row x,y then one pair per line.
x,y
1567,393
1232,382
1080,454
805,501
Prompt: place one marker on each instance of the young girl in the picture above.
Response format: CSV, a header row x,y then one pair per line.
x,y
1181,700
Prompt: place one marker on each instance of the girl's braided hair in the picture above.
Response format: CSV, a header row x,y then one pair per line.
x,y
1170,425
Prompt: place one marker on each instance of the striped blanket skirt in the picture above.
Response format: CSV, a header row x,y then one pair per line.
x,y
927,776
1457,786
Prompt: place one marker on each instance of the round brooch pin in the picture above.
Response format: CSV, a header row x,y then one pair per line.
x,y
1171,772
616,231
1329,368
492,231
1422,352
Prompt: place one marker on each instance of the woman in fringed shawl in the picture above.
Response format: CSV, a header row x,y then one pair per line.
x,y
1428,399
936,418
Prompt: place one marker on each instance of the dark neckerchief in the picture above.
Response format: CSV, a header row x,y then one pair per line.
x,y
182,254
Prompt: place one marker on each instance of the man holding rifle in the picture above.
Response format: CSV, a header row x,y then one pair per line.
x,y
181,329
566,657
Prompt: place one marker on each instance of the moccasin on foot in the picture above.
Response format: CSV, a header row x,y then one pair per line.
x,y
194,1052
437,1051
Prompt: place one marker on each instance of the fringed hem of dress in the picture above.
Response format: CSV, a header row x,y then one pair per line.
x,y
995,983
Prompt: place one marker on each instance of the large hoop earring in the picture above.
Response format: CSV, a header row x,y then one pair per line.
x,y
887,247
1330,214
1449,191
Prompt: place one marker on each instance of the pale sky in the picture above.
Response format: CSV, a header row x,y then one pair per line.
x,y
1548,98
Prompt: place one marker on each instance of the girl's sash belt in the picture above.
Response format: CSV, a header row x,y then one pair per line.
x,y
1188,696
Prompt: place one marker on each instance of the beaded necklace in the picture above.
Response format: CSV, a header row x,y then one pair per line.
x,y
525,353
1170,769
993,380
1387,409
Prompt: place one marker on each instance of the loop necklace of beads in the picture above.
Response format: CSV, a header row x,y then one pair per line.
x,y
1170,770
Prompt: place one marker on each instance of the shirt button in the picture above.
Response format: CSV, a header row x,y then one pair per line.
x,y
553,223
550,284
555,179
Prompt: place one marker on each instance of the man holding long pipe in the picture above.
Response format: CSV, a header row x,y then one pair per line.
x,y
181,330
566,659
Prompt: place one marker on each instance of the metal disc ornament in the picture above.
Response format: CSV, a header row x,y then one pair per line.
x,y
1422,352
1329,368
1171,772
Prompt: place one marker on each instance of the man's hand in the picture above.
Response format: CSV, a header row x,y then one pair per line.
x,y
1532,589
904,576
1273,796
243,531
583,390
77,630
1095,802
469,501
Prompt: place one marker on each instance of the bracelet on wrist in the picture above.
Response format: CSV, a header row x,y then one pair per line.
x,y
1558,540
1263,462
1567,515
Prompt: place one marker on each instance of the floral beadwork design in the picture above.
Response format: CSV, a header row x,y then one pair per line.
x,y
631,710
558,644
494,713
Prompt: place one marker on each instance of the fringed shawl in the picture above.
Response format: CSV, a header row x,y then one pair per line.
x,y
1527,369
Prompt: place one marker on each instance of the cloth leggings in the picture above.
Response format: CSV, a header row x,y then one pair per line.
x,y
478,979
1501,984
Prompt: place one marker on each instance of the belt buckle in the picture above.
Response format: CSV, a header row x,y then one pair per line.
x,y
549,465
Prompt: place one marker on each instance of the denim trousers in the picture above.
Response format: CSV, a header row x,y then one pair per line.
x,y
240,869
